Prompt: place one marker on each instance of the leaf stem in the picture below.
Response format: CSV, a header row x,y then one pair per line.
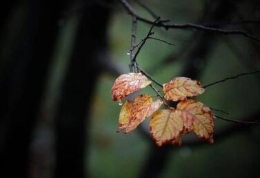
x,y
161,97
218,110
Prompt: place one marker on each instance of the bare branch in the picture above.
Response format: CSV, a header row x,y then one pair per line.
x,y
168,25
230,78
132,65
229,22
205,28
237,121
147,9
157,39
144,40
151,78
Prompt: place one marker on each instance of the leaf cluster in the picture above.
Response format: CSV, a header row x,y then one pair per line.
x,y
168,124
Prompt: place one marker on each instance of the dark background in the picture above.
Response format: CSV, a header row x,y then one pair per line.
x,y
58,62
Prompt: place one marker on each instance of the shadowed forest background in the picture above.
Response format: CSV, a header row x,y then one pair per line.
x,y
58,62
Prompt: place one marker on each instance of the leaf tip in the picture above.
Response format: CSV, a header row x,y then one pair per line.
x,y
211,140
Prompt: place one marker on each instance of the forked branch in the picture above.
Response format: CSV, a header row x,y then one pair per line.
x,y
168,25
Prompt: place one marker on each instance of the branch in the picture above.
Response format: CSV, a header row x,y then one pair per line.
x,y
168,25
219,110
229,22
230,78
237,121
211,29
219,135
151,78
148,10
158,39
223,134
146,38
132,65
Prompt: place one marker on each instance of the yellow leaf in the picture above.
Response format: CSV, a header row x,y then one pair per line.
x,y
180,88
134,112
126,84
166,126
198,118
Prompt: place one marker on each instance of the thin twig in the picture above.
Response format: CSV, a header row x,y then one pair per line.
x,y
131,11
148,10
230,78
229,22
237,121
132,65
160,96
211,29
148,76
156,91
145,39
218,110
157,39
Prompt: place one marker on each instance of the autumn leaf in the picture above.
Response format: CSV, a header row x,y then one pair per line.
x,y
197,118
128,83
166,126
180,88
134,112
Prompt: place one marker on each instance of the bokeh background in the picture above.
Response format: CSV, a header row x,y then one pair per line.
x,y
58,62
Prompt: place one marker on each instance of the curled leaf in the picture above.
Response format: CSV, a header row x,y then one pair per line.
x,y
126,84
180,88
197,118
134,112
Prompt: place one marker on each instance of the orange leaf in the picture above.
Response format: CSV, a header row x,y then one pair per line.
x,y
198,118
180,88
134,112
166,126
126,84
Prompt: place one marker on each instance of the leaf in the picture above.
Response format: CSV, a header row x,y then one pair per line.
x,y
166,126
197,118
126,84
180,88
134,112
